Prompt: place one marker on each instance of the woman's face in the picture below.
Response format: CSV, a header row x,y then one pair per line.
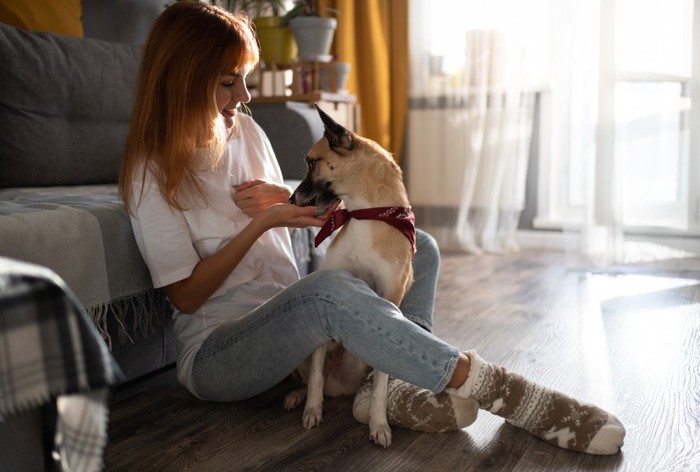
x,y
231,91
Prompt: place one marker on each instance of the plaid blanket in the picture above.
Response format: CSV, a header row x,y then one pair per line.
x,y
50,348
83,233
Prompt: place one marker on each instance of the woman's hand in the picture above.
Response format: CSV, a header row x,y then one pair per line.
x,y
255,196
292,216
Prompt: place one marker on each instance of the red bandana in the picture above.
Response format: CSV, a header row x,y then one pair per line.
x,y
399,217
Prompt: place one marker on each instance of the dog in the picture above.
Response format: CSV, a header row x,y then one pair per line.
x,y
375,243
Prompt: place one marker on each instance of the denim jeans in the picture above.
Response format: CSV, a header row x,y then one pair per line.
x,y
247,356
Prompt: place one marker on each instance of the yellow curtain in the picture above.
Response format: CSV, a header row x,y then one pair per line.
x,y
372,36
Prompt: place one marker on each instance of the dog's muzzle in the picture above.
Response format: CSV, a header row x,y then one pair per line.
x,y
313,194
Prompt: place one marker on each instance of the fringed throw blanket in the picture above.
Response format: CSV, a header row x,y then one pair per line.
x,y
50,351
83,233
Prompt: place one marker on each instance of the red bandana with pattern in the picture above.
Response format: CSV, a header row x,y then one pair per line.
x,y
401,218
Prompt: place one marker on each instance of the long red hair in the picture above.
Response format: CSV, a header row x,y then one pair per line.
x,y
189,47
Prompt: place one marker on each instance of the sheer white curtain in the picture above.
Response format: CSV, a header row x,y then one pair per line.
x,y
470,119
617,171
608,87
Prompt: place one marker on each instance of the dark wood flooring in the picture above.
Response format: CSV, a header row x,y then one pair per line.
x,y
626,340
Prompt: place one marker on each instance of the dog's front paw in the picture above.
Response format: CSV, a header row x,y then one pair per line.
x,y
313,416
380,433
294,398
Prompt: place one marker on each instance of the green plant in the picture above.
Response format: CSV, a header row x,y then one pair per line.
x,y
304,8
276,7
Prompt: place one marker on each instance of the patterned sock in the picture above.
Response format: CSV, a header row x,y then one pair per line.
x,y
547,414
417,408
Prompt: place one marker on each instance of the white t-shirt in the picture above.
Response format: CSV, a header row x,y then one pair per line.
x,y
172,242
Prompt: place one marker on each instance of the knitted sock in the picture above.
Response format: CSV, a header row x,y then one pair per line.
x,y
547,414
417,408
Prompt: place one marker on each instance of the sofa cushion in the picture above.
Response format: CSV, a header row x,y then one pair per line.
x,y
65,105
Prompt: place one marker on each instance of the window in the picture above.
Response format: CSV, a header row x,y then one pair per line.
x,y
619,134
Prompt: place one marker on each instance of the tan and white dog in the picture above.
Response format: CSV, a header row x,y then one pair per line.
x,y
376,244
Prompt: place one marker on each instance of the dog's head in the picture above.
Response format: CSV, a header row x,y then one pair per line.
x,y
338,165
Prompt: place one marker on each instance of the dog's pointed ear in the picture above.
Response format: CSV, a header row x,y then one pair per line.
x,y
339,138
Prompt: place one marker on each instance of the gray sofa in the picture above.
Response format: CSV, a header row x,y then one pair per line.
x,y
65,105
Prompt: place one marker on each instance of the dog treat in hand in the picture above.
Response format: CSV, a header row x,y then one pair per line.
x,y
547,414
418,408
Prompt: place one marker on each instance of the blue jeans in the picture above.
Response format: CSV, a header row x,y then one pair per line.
x,y
245,357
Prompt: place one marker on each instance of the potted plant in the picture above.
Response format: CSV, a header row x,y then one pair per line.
x,y
312,32
277,45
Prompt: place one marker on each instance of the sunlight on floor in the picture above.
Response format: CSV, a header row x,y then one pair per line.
x,y
607,287
647,316
636,311
645,251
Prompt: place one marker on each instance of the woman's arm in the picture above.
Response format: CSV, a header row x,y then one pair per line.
x,y
189,294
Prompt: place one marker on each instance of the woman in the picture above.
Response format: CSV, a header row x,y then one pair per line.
x,y
211,216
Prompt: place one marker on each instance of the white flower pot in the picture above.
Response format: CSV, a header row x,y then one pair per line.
x,y
314,36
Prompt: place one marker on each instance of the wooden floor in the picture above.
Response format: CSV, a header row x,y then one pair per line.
x,y
627,340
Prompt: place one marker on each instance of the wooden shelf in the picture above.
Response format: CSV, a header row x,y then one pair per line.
x,y
311,97
311,81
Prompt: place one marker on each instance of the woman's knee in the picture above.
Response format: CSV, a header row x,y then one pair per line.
x,y
339,292
332,281
427,258
426,242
